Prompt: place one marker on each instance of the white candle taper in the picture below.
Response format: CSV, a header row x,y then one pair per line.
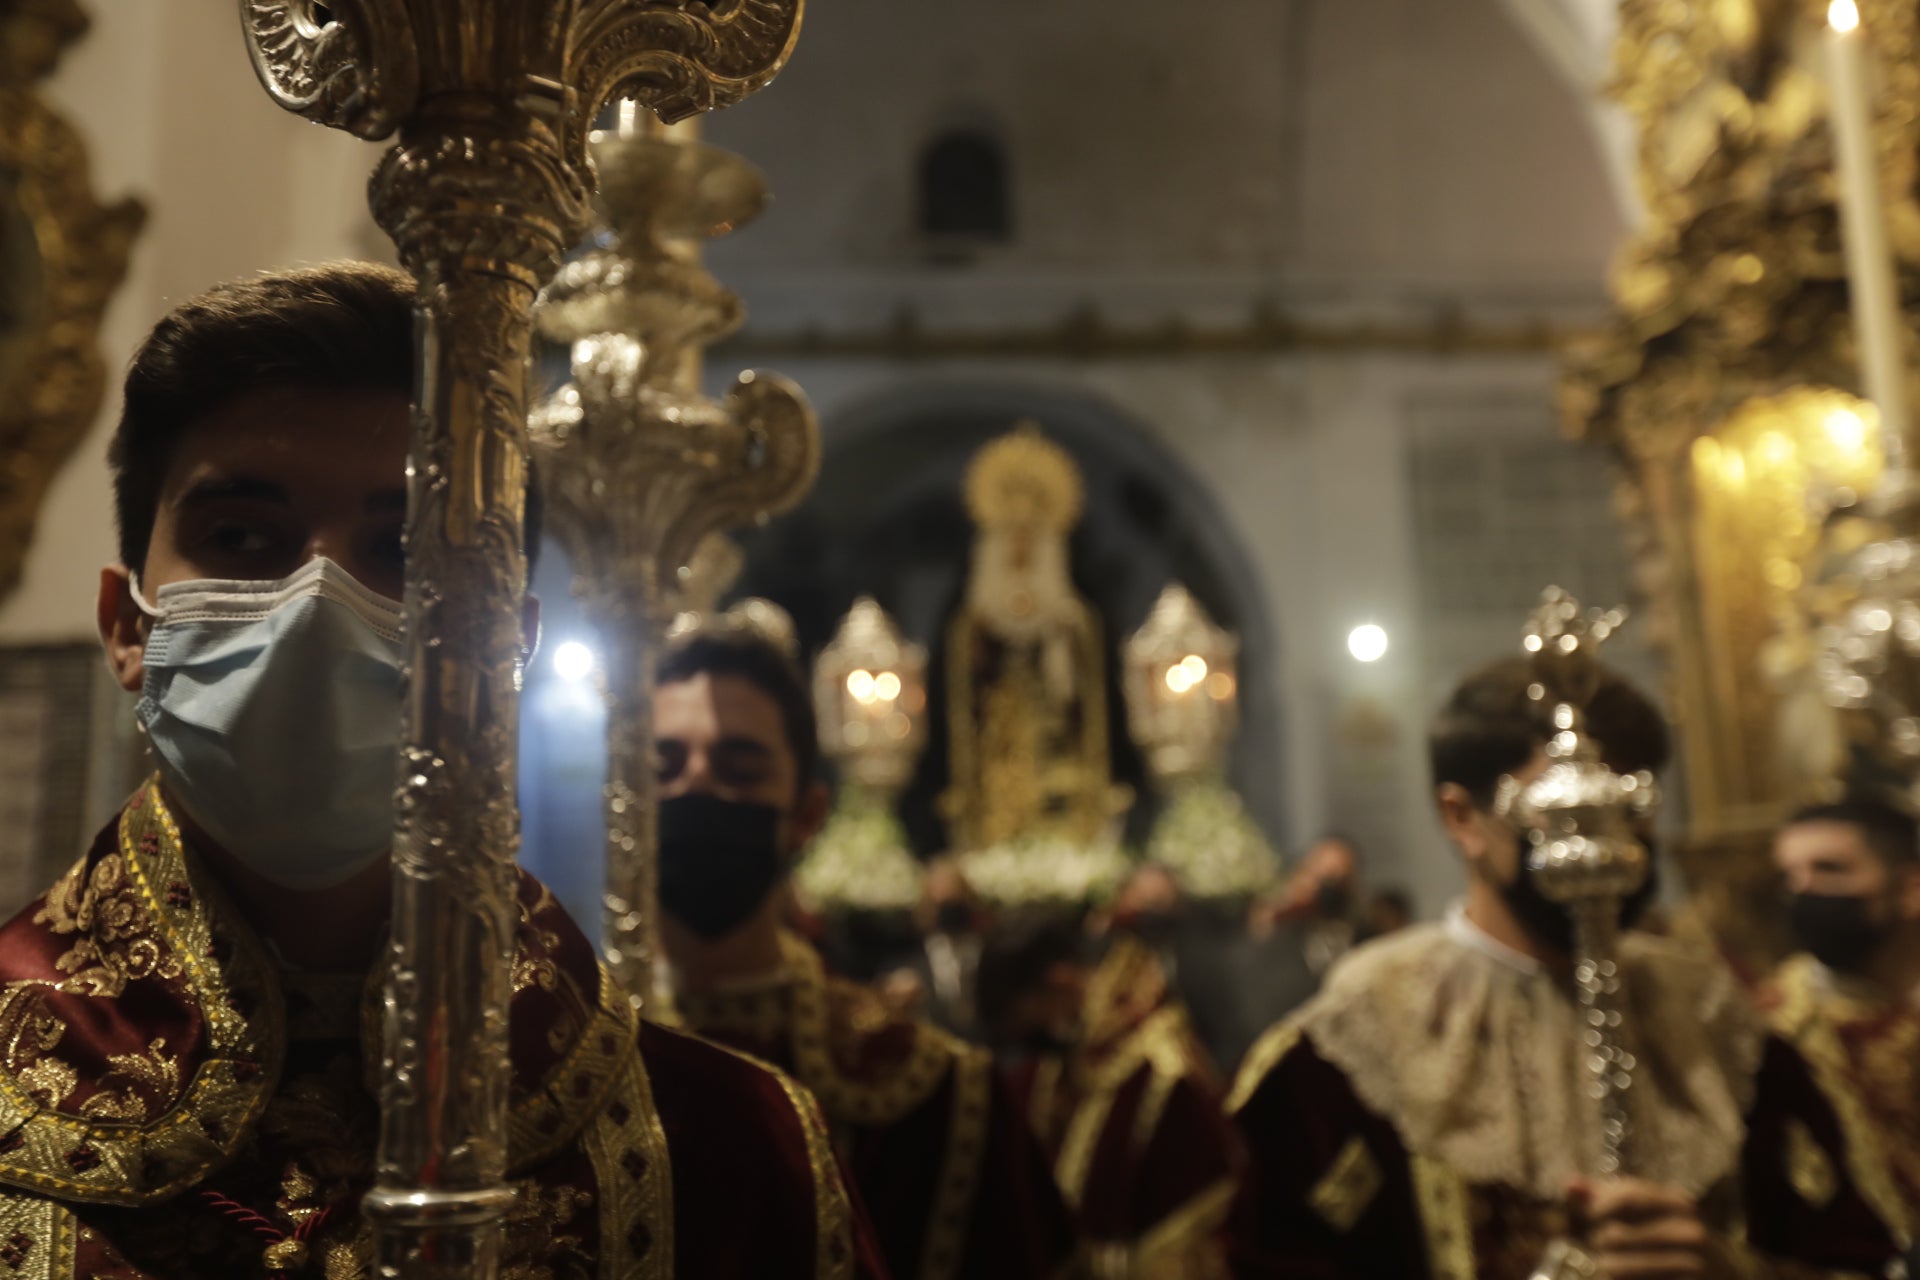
x,y
1872,284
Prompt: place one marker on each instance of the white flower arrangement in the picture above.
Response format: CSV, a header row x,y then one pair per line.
x,y
860,861
1046,870
1213,847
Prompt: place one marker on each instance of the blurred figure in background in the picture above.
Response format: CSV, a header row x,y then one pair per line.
x,y
1118,1089
1318,902
956,1186
1849,1000
1388,910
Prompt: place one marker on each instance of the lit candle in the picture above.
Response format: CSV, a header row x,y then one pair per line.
x,y
1871,281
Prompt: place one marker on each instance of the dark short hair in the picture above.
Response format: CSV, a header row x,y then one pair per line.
x,y
1891,834
342,326
1491,727
762,664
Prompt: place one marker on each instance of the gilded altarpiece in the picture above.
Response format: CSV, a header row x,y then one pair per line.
x,y
1725,387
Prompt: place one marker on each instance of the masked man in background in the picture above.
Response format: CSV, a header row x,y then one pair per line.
x,y
1850,999
187,1044
1111,1076
955,1184
1428,1113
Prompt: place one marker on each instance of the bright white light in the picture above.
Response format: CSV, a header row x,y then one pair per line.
x,y
1367,643
1196,668
1847,429
887,685
1179,679
574,661
860,685
1843,15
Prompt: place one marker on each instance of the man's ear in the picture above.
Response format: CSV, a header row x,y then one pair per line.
x,y
1461,819
811,813
123,627
1909,894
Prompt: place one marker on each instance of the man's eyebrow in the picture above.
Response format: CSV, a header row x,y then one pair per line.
x,y
740,745
229,488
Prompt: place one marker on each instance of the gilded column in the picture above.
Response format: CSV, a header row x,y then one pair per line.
x,y
486,185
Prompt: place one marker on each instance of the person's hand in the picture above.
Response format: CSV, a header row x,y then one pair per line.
x,y
1641,1230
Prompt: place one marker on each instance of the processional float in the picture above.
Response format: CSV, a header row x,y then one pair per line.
x,y
486,188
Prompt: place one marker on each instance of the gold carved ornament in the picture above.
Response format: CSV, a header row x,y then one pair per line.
x,y
62,255
642,467
1732,326
486,187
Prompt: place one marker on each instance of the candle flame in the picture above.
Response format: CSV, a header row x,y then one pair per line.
x,y
1843,15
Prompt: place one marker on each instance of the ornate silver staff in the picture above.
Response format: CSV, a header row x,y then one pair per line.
x,y
1577,817
641,465
486,187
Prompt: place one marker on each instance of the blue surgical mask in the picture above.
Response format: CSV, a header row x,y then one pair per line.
x,y
274,709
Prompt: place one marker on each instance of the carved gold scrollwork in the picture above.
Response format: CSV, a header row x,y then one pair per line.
x,y
62,254
1730,300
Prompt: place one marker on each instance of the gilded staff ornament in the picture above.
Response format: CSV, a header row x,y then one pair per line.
x,y
485,189
62,255
641,465
1577,819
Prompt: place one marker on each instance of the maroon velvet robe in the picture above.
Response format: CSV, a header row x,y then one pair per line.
x,y
1334,1194
1132,1121
173,1106
954,1182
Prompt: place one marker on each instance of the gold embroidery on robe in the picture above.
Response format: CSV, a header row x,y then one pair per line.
x,y
38,1238
960,1166
1442,1196
1808,1169
1345,1191
142,914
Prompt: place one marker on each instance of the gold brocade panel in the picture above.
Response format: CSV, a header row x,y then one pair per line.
x,y
1755,488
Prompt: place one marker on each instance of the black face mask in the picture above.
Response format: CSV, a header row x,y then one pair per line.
x,y
1837,929
1155,928
1333,901
953,917
719,860
1550,923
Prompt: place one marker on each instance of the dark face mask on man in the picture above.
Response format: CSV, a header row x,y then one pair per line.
x,y
1839,930
719,859
1550,923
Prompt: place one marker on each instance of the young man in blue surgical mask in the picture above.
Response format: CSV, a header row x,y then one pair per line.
x,y
1427,1113
1850,998
186,1056
954,1181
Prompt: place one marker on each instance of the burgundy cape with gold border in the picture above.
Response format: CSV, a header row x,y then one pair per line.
x,y
955,1183
174,1106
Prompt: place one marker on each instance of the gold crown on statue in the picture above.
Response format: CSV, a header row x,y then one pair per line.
x,y
753,618
1023,480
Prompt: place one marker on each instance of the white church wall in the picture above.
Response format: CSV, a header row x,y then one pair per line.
x,y
1371,157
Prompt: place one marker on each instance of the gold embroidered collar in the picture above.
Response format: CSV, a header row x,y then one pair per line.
x,y
815,1016
139,915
